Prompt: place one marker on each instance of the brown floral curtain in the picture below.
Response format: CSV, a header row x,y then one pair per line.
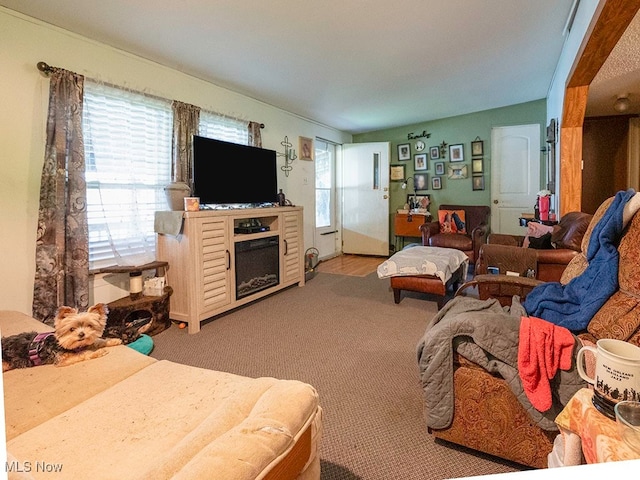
x,y
186,119
255,134
62,251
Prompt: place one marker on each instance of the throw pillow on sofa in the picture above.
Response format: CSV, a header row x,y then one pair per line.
x,y
452,221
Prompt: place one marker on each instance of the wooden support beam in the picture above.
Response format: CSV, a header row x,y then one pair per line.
x,y
613,20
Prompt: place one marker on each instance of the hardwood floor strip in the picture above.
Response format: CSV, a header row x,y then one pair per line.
x,y
354,265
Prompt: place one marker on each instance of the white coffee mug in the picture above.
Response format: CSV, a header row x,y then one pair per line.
x,y
617,373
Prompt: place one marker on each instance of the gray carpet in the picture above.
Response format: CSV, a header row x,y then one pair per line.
x,y
346,337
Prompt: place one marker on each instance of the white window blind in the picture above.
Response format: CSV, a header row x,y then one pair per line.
x,y
219,127
128,163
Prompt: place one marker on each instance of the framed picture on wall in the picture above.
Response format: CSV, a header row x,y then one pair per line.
x,y
476,165
436,183
478,182
306,148
456,153
434,153
439,168
396,173
477,148
457,173
420,161
420,181
404,152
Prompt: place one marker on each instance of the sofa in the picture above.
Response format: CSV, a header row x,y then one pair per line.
x,y
520,253
462,227
487,415
127,415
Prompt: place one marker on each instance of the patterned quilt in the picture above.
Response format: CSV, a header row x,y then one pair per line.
x,y
418,260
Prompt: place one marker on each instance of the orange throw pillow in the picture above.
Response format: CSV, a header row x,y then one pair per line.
x,y
452,221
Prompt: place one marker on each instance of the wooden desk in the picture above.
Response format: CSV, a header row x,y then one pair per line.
x,y
408,225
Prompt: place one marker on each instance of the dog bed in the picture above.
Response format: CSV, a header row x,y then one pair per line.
x,y
144,344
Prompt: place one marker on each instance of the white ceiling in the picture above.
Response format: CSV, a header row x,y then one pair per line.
x,y
354,65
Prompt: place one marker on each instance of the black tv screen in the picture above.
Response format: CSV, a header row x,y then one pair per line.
x,y
253,181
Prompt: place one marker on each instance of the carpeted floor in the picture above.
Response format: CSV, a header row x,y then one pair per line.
x,y
345,336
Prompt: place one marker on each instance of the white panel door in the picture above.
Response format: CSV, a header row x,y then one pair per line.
x,y
515,175
365,196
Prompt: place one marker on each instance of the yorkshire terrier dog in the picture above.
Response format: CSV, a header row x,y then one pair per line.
x,y
77,337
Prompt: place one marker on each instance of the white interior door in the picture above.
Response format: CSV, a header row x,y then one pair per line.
x,y
365,198
515,175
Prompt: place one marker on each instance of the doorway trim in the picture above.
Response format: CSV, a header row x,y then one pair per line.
x,y
613,19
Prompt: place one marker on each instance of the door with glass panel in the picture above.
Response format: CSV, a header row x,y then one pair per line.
x,y
326,237
365,198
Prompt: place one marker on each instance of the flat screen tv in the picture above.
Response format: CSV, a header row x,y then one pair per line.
x,y
254,181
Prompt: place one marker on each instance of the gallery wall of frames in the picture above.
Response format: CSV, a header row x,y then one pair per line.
x,y
426,168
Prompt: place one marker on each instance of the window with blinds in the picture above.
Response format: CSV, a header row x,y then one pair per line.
x,y
219,127
127,138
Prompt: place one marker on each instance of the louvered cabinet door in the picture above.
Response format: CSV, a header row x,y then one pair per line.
x,y
292,259
214,282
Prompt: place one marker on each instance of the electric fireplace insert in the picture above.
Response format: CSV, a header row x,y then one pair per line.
x,y
257,265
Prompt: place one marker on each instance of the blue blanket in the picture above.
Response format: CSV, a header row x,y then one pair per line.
x,y
573,305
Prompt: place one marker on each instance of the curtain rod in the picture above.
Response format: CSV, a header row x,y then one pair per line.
x,y
46,69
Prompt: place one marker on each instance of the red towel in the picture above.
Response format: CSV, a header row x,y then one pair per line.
x,y
543,349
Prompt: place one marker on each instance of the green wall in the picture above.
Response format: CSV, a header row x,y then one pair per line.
x,y
463,130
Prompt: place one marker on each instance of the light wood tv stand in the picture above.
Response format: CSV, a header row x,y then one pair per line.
x,y
201,259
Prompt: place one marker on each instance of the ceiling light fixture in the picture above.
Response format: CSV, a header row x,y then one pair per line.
x,y
622,103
